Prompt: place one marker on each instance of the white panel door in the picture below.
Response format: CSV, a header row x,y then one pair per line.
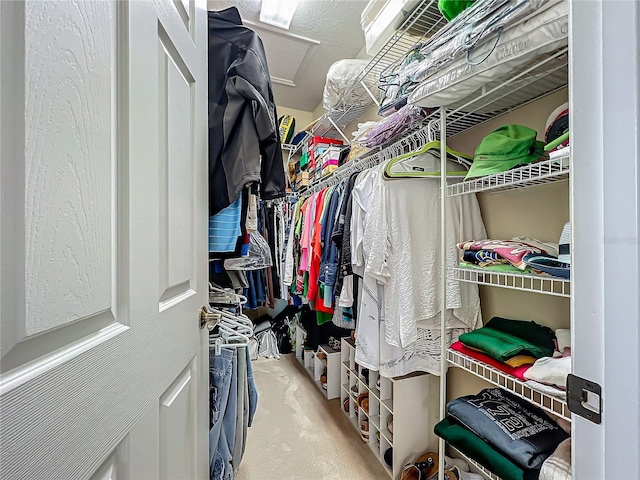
x,y
103,367
605,271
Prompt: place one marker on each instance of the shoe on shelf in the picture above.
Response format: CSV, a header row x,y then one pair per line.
x,y
363,402
451,463
378,384
424,468
364,430
321,355
388,457
345,404
390,424
456,474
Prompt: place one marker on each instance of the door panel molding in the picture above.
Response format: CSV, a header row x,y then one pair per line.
x,y
97,393
74,255
178,417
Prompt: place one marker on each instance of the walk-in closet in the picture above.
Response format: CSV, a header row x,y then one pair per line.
x,y
434,235
320,239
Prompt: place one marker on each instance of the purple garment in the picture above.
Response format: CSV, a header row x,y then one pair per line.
x,y
394,124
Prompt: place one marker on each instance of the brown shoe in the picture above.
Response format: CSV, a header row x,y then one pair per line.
x,y
423,469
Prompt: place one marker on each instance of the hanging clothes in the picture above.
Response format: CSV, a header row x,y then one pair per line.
x,y
233,400
244,144
404,255
371,310
395,249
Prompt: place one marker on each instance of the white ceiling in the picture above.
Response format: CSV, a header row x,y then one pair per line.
x,y
321,32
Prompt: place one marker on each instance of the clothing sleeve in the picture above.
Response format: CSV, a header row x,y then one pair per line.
x,y
357,232
253,83
376,233
288,262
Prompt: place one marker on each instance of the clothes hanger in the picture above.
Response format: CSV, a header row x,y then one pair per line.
x,y
237,325
239,320
417,164
225,297
218,343
227,337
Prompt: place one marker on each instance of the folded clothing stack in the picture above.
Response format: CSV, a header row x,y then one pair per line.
x,y
523,349
506,434
519,255
512,342
504,255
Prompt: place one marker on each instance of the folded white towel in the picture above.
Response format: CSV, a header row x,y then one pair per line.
x,y
552,371
546,389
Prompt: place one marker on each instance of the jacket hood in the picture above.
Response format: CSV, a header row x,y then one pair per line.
x,y
227,16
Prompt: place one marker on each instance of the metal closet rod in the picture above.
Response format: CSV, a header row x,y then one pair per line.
x,y
409,143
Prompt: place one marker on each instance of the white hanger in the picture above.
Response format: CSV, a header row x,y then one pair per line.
x,y
225,337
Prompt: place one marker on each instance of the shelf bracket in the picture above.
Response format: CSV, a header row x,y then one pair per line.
x,y
370,93
338,129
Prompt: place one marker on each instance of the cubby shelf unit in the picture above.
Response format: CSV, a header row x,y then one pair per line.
x,y
314,365
410,402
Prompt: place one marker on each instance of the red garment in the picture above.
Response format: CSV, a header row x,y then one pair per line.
x,y
517,372
316,249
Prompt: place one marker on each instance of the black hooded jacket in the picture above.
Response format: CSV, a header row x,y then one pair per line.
x,y
244,145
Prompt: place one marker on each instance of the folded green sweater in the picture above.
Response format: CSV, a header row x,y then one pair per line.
x,y
477,449
527,330
500,345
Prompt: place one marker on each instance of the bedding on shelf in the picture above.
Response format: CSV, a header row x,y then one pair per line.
x,y
492,37
528,42
341,78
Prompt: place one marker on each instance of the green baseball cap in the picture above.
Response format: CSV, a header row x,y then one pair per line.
x,y
450,9
505,148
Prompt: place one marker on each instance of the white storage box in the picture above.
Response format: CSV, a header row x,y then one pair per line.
x,y
380,19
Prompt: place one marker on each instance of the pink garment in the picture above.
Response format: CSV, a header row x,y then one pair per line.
x,y
512,251
305,238
517,372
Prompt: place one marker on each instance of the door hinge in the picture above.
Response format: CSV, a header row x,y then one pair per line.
x,y
584,398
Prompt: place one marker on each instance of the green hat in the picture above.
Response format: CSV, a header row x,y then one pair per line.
x,y
450,9
505,148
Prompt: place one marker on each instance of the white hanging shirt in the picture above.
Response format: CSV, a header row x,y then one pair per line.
x,y
370,306
403,228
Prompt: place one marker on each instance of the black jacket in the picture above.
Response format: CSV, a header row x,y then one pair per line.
x,y
244,145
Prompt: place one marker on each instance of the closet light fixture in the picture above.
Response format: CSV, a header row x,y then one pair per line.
x,y
278,12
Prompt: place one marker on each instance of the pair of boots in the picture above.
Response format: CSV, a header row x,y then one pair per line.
x,y
426,468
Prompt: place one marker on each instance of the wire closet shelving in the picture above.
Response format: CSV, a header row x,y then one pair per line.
x,y
542,76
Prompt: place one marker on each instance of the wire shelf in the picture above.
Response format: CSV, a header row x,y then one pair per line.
x,y
540,77
549,403
475,466
424,21
541,173
555,286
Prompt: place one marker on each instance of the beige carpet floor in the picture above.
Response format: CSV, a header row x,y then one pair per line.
x,y
298,435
